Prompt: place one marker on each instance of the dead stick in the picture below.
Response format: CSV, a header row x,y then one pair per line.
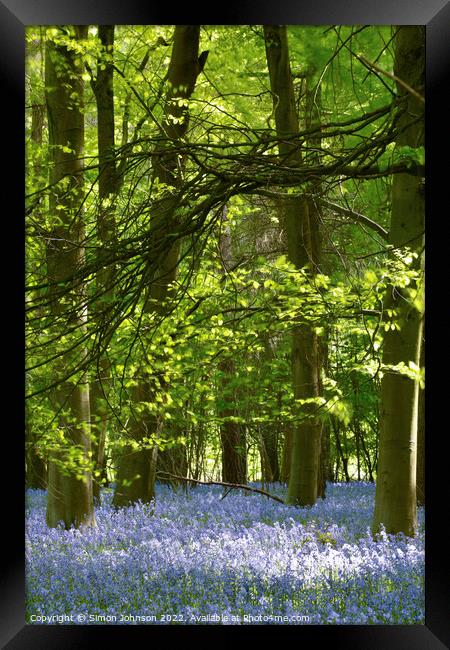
x,y
228,485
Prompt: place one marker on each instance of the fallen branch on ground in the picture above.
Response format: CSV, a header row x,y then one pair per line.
x,y
237,486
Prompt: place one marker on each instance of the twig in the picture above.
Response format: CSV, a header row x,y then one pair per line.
x,y
225,494
394,77
228,485
356,216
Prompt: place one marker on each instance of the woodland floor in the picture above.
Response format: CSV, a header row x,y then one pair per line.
x,y
199,558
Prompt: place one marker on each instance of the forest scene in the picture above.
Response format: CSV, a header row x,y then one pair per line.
x,y
225,324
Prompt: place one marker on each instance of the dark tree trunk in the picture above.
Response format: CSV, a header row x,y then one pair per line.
x,y
103,87
341,453
234,461
287,453
174,459
234,453
303,478
269,454
270,433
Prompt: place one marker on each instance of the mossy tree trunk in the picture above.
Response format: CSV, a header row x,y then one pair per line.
x,y
70,497
395,503
306,440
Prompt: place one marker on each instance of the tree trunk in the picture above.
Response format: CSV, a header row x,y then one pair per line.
x,y
303,479
367,458
103,87
269,454
70,497
287,453
341,454
137,467
174,459
325,474
36,469
270,432
420,477
395,503
234,453
234,462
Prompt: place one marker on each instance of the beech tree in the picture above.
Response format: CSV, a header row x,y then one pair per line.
x,y
300,227
137,464
108,182
70,496
234,457
395,503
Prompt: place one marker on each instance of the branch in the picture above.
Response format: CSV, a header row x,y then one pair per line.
x,y
228,485
356,216
392,76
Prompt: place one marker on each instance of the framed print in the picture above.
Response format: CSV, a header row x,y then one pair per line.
x,y
223,253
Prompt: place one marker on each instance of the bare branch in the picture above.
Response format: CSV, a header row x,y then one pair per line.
x,y
237,486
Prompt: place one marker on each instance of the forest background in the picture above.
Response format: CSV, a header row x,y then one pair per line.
x,y
225,261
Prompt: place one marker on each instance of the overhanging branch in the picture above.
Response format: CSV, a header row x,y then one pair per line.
x,y
356,216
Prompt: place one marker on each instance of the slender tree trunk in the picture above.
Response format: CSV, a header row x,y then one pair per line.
x,y
103,87
341,453
313,101
36,469
303,479
395,503
234,460
269,453
137,467
420,478
70,497
367,458
287,453
337,468
270,465
324,462
174,459
356,426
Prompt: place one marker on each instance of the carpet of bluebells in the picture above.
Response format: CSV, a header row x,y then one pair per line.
x,y
197,557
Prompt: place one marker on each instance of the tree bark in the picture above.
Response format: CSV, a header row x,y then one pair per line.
x,y
173,460
137,468
269,433
287,453
36,468
70,497
234,453
103,87
420,476
395,502
303,479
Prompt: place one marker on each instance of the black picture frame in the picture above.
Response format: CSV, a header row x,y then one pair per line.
x,y
14,16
